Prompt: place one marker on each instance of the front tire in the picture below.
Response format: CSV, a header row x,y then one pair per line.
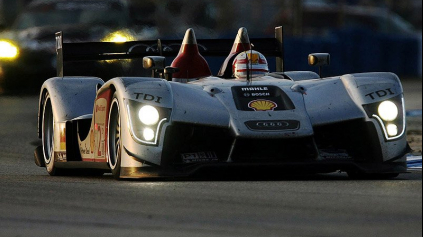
x,y
115,139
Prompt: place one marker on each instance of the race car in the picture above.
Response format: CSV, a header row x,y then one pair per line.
x,y
183,120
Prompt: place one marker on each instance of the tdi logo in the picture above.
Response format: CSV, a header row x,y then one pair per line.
x,y
380,94
148,97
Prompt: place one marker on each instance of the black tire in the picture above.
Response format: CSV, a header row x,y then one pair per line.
x,y
114,139
48,138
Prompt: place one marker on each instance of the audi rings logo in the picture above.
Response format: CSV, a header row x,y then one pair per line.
x,y
279,125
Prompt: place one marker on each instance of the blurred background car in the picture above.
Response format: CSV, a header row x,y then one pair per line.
x,y
27,49
323,18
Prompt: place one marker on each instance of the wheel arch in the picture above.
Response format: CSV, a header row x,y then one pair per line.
x,y
71,97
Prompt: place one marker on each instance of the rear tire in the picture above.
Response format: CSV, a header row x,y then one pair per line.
x,y
114,139
48,138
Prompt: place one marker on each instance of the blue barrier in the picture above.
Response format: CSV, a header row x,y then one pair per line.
x,y
352,51
355,51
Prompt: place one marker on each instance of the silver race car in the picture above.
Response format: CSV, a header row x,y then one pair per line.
x,y
183,120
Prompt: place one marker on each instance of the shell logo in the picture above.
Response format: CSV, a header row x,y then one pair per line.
x,y
262,105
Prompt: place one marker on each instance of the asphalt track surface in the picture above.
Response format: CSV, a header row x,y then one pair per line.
x,y
34,204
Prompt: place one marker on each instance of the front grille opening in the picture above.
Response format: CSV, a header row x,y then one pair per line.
x,y
190,139
274,150
358,138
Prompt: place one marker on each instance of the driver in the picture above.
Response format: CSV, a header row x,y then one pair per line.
x,y
250,64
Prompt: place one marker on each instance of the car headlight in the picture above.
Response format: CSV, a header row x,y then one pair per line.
x,y
392,130
8,50
149,115
146,121
149,134
388,111
390,114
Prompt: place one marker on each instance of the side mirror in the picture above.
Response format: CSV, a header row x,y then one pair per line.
x,y
155,63
319,60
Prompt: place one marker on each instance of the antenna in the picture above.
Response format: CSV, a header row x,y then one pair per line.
x,y
248,67
246,55
250,80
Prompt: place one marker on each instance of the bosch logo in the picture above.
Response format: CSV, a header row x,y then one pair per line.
x,y
247,94
272,124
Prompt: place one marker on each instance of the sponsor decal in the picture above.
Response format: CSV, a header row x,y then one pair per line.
x,y
147,97
199,157
60,157
255,89
335,155
277,125
380,94
246,97
100,119
265,94
262,105
85,151
63,139
92,142
100,108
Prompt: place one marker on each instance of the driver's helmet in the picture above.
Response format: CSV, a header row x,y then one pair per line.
x,y
251,62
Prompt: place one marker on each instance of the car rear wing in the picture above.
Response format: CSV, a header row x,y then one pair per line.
x,y
99,51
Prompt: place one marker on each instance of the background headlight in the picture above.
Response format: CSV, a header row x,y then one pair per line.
x,y
388,111
149,115
119,37
8,50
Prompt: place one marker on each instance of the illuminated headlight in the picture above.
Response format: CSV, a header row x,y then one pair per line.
x,y
392,130
388,111
149,134
146,121
390,114
149,115
8,50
